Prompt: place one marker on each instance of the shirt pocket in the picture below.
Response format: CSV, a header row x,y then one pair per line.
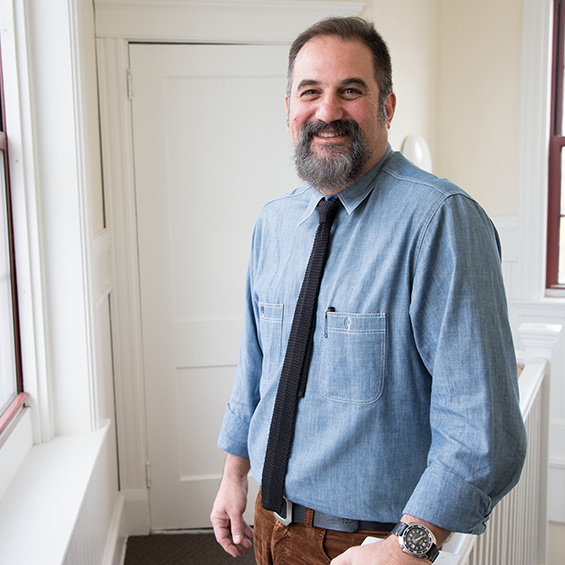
x,y
353,357
270,331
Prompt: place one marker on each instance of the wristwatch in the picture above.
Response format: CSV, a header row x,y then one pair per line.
x,y
416,540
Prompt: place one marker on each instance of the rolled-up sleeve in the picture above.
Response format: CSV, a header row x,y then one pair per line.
x,y
460,324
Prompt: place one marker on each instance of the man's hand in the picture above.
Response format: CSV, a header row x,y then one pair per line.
x,y
230,529
386,552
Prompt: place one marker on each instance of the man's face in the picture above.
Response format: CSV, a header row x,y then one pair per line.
x,y
334,119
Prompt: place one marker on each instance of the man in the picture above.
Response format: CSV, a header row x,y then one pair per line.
x,y
408,411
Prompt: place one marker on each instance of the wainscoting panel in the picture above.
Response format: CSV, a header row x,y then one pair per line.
x,y
97,539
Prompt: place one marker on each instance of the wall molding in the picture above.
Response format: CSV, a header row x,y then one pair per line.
x,y
136,514
117,157
102,270
533,146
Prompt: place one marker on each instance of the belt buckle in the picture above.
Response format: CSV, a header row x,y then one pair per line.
x,y
288,516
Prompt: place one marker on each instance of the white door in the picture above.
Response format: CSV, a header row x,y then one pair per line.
x,y
211,147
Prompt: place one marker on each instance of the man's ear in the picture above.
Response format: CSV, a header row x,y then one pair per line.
x,y
287,109
390,107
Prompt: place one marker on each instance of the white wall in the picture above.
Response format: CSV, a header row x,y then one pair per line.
x,y
457,74
410,29
479,99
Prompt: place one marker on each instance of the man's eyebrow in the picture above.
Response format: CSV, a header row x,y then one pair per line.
x,y
307,82
355,80
345,82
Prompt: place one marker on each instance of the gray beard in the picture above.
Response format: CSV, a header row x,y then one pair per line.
x,y
335,169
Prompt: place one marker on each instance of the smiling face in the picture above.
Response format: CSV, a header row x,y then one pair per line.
x,y
337,127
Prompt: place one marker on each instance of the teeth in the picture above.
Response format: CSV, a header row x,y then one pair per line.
x,y
328,134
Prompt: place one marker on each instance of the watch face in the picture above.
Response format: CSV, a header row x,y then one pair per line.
x,y
416,540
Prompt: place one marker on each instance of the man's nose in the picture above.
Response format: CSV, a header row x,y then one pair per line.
x,y
330,108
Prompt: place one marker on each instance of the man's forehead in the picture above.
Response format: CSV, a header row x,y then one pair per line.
x,y
329,54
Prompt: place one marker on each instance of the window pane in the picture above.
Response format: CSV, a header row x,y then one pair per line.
x,y
8,379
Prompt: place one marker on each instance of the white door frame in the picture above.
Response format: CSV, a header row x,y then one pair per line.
x,y
119,22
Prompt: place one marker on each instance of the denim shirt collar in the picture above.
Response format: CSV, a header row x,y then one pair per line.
x,y
353,195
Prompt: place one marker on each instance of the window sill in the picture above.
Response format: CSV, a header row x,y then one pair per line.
x,y
43,501
555,293
548,305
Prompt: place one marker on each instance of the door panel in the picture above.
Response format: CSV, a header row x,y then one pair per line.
x,y
211,148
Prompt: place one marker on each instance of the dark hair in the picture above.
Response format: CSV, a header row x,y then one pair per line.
x,y
350,29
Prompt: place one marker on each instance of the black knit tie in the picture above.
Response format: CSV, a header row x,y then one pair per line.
x,y
292,384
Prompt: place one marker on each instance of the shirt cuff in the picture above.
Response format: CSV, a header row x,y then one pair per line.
x,y
449,502
233,435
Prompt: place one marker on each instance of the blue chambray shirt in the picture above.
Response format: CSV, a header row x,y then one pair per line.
x,y
411,404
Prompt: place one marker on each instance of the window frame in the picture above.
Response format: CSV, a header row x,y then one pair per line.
x,y
556,148
16,404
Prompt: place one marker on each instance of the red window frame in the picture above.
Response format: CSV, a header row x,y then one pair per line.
x,y
556,149
7,416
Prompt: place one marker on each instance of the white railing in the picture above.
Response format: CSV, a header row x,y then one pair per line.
x,y
517,530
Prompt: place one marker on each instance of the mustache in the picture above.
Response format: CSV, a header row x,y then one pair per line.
x,y
340,127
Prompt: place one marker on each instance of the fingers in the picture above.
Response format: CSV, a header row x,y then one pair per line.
x,y
231,532
227,542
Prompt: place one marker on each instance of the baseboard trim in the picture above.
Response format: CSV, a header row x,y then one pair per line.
x,y
136,519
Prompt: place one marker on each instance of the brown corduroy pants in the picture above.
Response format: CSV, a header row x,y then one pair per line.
x,y
300,544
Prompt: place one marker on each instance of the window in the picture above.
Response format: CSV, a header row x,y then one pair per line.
x,y
555,274
11,385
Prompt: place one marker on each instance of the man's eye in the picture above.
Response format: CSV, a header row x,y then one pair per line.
x,y
309,94
351,93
